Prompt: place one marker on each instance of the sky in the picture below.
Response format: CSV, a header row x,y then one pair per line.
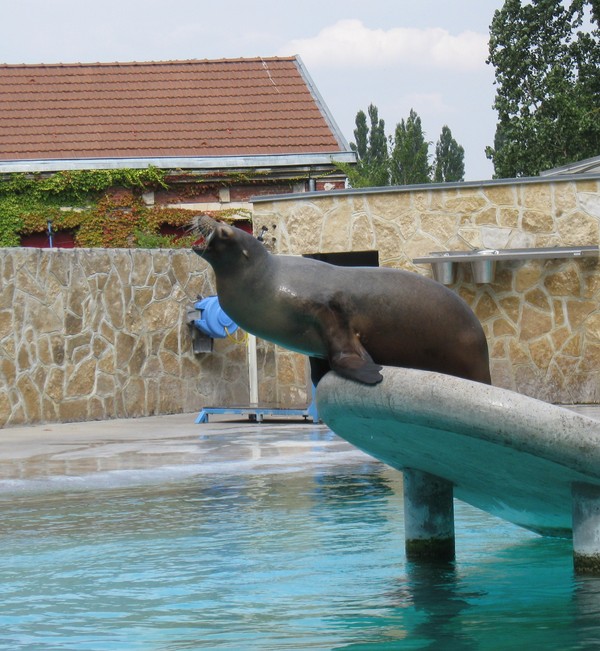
x,y
426,55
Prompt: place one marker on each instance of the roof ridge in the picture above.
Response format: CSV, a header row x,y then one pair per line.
x,y
122,64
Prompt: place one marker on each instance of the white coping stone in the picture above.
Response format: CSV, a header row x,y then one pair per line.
x,y
510,455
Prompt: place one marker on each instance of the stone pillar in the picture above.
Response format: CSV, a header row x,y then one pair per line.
x,y
586,528
428,516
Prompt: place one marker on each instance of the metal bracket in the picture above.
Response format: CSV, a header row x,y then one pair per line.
x,y
483,261
201,343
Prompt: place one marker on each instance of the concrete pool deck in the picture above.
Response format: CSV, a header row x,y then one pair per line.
x,y
161,442
155,442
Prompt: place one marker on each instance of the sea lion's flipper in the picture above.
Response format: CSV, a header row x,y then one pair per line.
x,y
348,365
355,367
345,353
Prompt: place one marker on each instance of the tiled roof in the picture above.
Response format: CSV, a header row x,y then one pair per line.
x,y
174,108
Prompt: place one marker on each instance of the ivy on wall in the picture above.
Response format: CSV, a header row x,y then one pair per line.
x,y
87,203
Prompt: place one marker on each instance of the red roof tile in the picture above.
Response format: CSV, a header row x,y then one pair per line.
x,y
174,108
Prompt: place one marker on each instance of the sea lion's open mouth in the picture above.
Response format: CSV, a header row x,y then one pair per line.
x,y
206,231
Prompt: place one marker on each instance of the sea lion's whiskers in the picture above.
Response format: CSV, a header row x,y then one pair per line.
x,y
201,228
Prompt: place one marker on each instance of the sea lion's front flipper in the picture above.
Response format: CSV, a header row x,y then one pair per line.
x,y
356,367
345,353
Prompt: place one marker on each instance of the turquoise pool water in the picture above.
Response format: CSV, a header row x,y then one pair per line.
x,y
304,558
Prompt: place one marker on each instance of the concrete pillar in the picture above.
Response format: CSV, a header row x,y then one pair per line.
x,y
586,528
428,516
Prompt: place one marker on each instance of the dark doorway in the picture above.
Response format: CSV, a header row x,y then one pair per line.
x,y
349,258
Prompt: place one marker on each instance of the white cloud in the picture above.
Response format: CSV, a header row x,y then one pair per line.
x,y
348,43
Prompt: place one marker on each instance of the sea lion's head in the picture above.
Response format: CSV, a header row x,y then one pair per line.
x,y
221,244
211,236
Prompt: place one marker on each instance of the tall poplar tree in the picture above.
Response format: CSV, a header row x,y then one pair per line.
x,y
449,163
410,153
403,159
546,55
372,168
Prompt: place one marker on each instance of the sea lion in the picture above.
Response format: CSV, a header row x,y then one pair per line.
x,y
349,319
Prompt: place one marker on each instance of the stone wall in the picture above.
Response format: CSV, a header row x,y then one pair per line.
x,y
542,318
93,334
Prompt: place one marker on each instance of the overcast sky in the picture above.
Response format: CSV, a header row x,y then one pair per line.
x,y
397,54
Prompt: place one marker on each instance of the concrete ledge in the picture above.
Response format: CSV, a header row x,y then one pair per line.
x,y
508,454
483,261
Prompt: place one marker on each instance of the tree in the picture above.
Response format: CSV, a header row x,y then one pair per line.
x,y
547,73
408,161
372,168
449,159
410,153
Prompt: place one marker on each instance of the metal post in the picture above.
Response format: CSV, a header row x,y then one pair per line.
x,y
586,528
50,233
252,370
428,516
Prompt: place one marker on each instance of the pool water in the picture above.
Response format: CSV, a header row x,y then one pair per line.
x,y
305,558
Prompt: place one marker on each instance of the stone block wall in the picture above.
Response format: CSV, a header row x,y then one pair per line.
x,y
94,334
542,318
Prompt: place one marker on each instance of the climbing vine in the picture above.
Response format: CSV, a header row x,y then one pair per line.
x,y
88,203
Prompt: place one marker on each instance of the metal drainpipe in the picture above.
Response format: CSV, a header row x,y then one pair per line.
x,y
50,234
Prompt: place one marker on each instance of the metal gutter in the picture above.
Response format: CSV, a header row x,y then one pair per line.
x,y
425,187
255,162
